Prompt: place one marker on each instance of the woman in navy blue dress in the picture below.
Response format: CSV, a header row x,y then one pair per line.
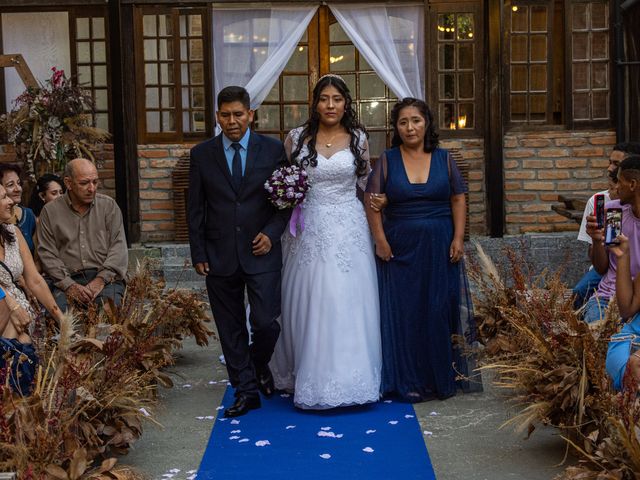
x,y
419,245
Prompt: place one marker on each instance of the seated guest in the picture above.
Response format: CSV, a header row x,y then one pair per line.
x,y
81,242
623,355
604,262
587,285
23,217
48,188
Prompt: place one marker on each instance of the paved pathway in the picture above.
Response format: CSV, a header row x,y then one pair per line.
x,y
465,442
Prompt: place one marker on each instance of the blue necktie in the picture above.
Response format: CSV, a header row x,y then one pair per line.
x,y
236,166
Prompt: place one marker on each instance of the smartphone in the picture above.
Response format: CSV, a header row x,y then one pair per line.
x,y
613,226
598,209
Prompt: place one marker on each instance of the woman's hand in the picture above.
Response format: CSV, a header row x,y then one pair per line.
x,y
621,249
456,250
19,318
383,250
378,201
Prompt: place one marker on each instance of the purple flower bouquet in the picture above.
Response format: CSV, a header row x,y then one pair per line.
x,y
287,188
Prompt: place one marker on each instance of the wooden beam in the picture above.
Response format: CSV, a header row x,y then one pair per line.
x,y
48,4
123,111
18,62
494,126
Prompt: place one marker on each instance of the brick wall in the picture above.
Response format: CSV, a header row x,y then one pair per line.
x,y
540,165
104,154
156,162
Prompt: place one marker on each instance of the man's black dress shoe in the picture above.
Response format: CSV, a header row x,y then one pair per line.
x,y
242,405
265,382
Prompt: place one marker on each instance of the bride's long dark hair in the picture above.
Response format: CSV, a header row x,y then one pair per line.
x,y
349,121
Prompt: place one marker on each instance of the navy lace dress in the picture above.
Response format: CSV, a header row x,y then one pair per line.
x,y
422,294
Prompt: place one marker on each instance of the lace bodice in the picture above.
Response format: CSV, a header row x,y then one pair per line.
x,y
335,221
13,261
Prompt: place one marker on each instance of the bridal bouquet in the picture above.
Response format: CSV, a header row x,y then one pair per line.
x,y
287,188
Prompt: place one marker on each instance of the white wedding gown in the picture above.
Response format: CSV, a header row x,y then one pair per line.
x,y
329,351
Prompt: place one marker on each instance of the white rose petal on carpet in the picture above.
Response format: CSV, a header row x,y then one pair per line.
x,y
368,432
393,422
368,449
326,456
262,443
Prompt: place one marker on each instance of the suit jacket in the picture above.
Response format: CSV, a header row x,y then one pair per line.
x,y
222,221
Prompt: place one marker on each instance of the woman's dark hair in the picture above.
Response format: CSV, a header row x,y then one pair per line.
x,y
42,185
5,235
430,137
9,167
349,121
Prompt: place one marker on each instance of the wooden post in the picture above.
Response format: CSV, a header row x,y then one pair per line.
x,y
18,62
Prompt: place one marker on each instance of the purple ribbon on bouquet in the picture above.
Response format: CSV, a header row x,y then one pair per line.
x,y
296,219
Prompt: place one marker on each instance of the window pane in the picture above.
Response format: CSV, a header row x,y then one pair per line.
x,y
600,75
84,75
580,76
581,106
198,122
465,26
538,48
168,122
165,25
268,117
295,88
377,143
519,19
579,16
538,80
82,28
102,120
518,108
197,97
342,58
371,86
149,26
446,55
98,28
299,60
151,74
580,46
195,25
518,78
600,15
153,122
166,73
274,94
447,114
538,18
195,50
465,55
350,80
519,48
600,105
168,99
150,50
100,76
337,33
446,26
465,85
197,74
83,52
295,115
166,49
373,114
466,118
600,45
538,107
99,52
447,88
101,99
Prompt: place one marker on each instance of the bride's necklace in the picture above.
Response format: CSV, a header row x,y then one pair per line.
x,y
329,143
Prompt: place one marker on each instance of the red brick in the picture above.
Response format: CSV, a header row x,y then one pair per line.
x,y
147,173
589,152
537,163
154,153
570,142
520,197
553,152
600,163
164,163
144,184
156,216
607,140
476,175
548,197
571,163
510,142
512,208
538,186
519,153
153,195
161,206
510,186
536,228
553,174
536,208
588,174
162,184
142,163
535,142
573,186
509,164
511,218
520,175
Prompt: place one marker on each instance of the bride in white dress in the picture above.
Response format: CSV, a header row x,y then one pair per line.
x,y
329,351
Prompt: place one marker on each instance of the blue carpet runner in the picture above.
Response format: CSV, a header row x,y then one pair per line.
x,y
278,441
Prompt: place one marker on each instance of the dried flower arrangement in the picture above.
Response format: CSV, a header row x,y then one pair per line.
x,y
552,366
51,125
93,392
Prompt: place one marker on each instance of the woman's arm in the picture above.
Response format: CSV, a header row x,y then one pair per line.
x,y
375,185
34,280
459,214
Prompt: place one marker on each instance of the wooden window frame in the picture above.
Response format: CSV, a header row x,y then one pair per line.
x,y
432,11
91,12
568,66
178,136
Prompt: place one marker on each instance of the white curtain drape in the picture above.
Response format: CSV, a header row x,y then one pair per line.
x,y
251,47
391,39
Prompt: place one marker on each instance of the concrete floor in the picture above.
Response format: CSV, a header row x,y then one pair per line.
x,y
466,442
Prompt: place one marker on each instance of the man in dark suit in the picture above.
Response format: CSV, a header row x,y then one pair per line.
x,y
234,232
